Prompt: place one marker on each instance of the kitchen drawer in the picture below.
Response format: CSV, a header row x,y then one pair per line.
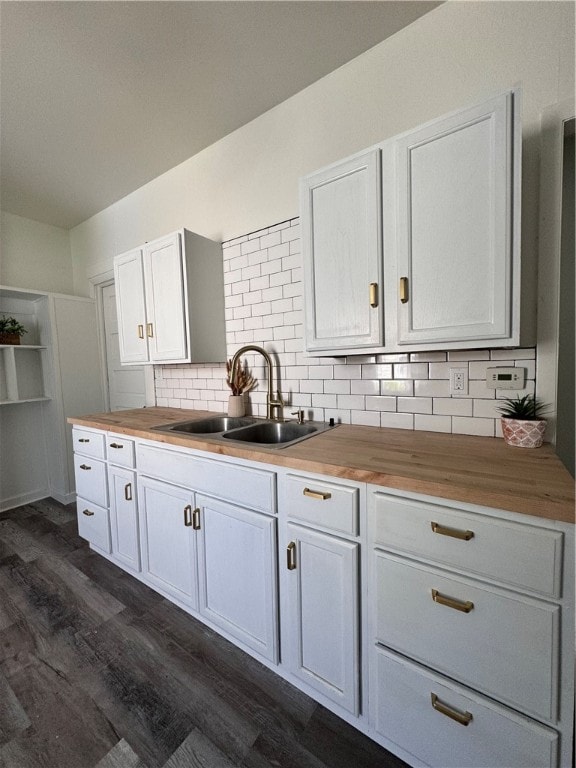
x,y
254,488
88,443
120,451
91,479
316,501
505,645
93,524
513,553
402,711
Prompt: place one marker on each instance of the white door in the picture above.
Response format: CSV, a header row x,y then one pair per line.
x,y
322,585
341,230
169,559
165,305
129,280
124,516
126,385
455,233
237,569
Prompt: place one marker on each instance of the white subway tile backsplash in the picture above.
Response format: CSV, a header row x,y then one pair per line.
x,y
264,305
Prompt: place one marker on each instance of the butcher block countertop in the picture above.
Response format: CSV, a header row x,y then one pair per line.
x,y
477,470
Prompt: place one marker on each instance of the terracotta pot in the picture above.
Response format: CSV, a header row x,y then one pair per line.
x,y
9,338
236,405
523,433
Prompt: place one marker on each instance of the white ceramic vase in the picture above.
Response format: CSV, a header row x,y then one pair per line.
x,y
236,405
523,433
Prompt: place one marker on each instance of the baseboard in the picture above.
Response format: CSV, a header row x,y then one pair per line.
x,y
25,498
63,498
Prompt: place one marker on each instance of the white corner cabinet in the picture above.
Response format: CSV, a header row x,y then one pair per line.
x,y
170,301
443,630
54,373
428,257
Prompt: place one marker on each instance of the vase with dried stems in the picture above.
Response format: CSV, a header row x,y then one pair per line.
x,y
240,384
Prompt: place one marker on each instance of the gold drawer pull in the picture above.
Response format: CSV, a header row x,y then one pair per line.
x,y
116,445
322,495
128,491
188,516
458,605
196,519
140,331
403,290
291,556
88,513
85,466
464,718
83,440
453,532
373,295
149,330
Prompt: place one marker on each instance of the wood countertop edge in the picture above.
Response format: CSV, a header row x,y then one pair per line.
x,y
555,503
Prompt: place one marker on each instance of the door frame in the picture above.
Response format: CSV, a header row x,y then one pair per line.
x,y
97,285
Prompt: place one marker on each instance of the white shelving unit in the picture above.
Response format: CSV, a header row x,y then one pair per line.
x,y
22,374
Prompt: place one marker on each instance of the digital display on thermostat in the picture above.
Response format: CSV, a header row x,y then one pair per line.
x,y
504,377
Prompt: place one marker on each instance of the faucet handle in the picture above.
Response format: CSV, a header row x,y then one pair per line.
x,y
279,398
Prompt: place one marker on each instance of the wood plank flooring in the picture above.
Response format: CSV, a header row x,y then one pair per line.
x,y
99,671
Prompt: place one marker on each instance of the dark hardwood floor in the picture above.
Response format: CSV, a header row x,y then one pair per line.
x,y
98,671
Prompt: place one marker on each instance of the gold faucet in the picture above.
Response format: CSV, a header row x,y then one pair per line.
x,y
274,404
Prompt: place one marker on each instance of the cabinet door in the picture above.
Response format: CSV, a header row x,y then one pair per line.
x,y
322,593
130,303
166,327
124,516
237,572
456,194
169,559
341,229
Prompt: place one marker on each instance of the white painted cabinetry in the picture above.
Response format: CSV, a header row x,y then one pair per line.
x,y
441,238
170,301
122,488
321,586
341,223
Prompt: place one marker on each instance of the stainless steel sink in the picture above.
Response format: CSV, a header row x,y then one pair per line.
x,y
247,430
272,432
208,426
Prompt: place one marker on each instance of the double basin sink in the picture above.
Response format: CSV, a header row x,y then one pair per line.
x,y
247,430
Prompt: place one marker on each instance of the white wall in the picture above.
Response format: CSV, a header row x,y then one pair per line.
x,y
34,255
460,53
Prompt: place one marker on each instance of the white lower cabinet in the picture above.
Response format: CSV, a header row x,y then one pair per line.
x,y
169,551
322,647
237,573
93,524
124,516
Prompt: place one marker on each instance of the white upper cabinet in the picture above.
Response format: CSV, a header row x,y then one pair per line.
x,y
341,218
170,301
430,257
455,241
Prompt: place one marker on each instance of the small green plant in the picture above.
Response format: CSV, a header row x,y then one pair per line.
x,y
527,408
11,325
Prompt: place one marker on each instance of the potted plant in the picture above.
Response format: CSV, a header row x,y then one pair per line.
x,y
522,422
11,330
240,384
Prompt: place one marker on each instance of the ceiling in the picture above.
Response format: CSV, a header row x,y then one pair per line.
x,y
98,98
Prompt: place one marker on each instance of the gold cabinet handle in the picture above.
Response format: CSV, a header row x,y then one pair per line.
x,y
373,295
85,466
291,556
83,440
321,495
140,331
464,718
116,445
87,512
453,532
188,516
403,290
128,491
149,330
196,519
458,605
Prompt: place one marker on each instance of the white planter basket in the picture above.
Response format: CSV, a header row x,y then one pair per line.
x,y
522,433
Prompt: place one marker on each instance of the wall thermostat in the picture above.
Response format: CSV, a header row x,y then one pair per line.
x,y
505,378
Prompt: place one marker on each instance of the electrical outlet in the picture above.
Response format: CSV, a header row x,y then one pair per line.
x,y
458,381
